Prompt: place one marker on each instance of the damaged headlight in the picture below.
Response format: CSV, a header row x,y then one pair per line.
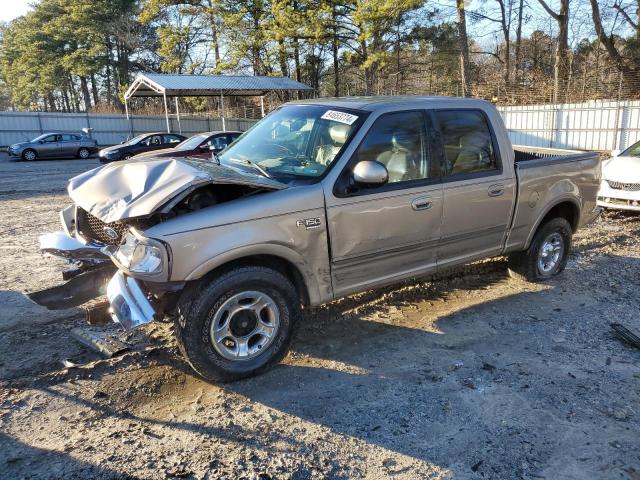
x,y
139,255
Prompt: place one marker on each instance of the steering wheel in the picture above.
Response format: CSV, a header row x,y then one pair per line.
x,y
276,146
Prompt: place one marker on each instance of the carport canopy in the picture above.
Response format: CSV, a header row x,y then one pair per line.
x,y
179,85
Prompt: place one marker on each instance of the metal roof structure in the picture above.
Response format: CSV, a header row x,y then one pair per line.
x,y
174,85
177,85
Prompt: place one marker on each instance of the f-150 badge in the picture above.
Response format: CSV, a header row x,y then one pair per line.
x,y
309,223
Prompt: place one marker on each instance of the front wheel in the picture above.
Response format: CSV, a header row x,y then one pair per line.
x,y
547,255
238,324
29,154
84,153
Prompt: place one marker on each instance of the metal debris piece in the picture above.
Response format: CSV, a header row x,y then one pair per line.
x,y
98,314
68,363
626,335
105,345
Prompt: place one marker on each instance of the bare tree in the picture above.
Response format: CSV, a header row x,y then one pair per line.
x,y
608,42
465,69
561,64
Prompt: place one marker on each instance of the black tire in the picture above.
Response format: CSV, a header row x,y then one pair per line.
x,y
84,153
126,156
526,265
29,154
199,304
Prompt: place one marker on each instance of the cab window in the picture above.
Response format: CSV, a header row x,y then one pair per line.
x,y
466,141
399,142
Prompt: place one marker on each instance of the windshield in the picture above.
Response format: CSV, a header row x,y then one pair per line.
x,y
41,137
632,151
135,140
295,140
192,142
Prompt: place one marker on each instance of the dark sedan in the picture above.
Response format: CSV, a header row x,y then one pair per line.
x,y
200,145
147,142
54,145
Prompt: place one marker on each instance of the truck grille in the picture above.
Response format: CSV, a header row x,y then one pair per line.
x,y
93,228
628,187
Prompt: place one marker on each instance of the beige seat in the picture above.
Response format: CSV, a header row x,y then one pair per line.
x,y
338,133
473,155
400,160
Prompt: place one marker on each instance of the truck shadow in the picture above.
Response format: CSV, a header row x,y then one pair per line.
x,y
448,388
17,458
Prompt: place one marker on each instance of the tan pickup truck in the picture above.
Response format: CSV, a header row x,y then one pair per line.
x,y
321,199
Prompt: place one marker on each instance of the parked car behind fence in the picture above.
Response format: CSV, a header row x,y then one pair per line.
x,y
54,145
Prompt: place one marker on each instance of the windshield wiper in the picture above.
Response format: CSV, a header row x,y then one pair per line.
x,y
252,164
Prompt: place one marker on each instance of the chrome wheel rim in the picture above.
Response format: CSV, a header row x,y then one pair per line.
x,y
29,155
551,252
84,153
245,325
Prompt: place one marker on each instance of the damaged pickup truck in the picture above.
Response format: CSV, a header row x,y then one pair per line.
x,y
319,200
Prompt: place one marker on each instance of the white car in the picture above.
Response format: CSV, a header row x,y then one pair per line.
x,y
620,187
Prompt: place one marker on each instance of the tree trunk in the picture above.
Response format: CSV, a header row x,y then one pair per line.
x,y
85,92
214,33
94,89
561,68
336,71
519,43
465,70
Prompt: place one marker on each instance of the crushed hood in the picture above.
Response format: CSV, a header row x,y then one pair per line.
x,y
622,169
139,187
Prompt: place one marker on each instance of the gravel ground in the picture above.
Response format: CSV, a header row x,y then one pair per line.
x,y
476,376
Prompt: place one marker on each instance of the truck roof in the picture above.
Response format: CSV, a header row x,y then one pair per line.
x,y
382,102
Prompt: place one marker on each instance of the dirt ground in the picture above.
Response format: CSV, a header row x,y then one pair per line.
x,y
475,377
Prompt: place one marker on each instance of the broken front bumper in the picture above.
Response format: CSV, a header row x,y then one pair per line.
x,y
129,305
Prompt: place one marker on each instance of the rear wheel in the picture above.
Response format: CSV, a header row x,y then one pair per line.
x,y
547,255
238,324
84,153
29,154
127,156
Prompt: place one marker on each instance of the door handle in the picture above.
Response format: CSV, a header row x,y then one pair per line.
x,y
496,190
422,203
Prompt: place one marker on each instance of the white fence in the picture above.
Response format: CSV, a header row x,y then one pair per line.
x,y
598,125
601,125
108,129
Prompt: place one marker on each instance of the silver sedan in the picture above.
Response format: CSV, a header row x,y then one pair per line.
x,y
54,145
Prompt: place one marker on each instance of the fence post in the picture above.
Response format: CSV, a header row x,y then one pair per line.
x,y
624,125
40,123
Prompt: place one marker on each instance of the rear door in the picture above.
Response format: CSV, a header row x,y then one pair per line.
x,y
382,234
478,192
69,145
170,140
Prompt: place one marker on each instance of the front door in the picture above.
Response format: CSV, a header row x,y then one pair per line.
x,y
383,234
50,146
478,192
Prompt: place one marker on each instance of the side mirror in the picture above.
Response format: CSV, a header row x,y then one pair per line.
x,y
371,173
615,153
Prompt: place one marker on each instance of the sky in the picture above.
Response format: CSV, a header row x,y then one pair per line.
x,y
13,8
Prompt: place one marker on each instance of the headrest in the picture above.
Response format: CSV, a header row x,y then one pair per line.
x,y
339,133
404,141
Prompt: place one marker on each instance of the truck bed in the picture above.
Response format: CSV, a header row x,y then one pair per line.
x,y
525,154
546,176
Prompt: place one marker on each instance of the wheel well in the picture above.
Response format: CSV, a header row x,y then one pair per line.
x,y
567,210
279,264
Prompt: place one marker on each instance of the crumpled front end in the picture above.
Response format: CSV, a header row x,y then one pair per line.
x,y
92,273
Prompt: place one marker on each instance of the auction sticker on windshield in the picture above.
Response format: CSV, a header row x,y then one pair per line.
x,y
341,117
